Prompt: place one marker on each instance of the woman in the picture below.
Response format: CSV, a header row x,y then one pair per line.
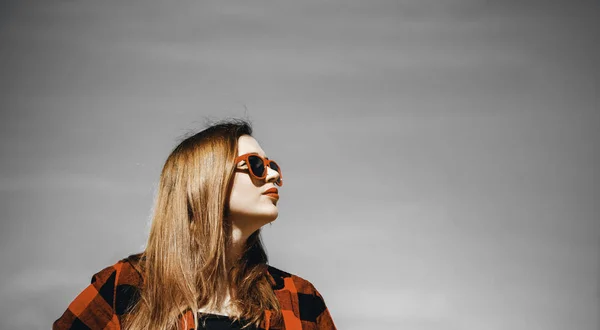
x,y
204,266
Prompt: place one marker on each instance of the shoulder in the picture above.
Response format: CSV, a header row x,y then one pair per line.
x,y
283,280
297,293
120,283
125,271
101,304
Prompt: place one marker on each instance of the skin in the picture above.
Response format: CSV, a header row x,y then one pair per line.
x,y
249,208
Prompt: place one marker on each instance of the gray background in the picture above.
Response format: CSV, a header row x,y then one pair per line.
x,y
440,157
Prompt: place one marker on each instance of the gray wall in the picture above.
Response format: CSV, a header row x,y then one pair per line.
x,y
440,157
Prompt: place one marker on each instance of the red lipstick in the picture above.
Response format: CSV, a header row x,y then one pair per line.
x,y
272,192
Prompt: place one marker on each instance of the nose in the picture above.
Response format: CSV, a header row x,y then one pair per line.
x,y
272,175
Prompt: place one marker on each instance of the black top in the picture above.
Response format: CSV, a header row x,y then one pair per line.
x,y
208,321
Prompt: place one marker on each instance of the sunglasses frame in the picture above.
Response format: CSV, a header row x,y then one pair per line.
x,y
266,163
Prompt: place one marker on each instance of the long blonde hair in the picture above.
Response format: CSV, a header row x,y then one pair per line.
x,y
184,263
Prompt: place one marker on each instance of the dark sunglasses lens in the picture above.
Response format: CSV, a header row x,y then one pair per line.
x,y
274,166
256,165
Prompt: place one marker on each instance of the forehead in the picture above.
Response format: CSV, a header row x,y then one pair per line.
x,y
247,144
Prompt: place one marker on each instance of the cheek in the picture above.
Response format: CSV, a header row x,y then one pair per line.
x,y
243,192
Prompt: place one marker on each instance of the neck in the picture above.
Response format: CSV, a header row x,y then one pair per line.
x,y
234,253
239,237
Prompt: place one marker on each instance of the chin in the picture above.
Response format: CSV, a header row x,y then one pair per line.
x,y
263,215
270,216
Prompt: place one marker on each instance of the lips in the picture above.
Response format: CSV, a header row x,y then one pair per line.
x,y
271,191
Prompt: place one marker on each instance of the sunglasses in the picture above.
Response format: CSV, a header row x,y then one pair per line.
x,y
257,166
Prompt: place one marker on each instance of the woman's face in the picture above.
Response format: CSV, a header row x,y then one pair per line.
x,y
249,207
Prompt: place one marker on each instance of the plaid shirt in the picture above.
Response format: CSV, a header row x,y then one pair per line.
x,y
103,303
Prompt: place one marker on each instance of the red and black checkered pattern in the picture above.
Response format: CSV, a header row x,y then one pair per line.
x,y
104,302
